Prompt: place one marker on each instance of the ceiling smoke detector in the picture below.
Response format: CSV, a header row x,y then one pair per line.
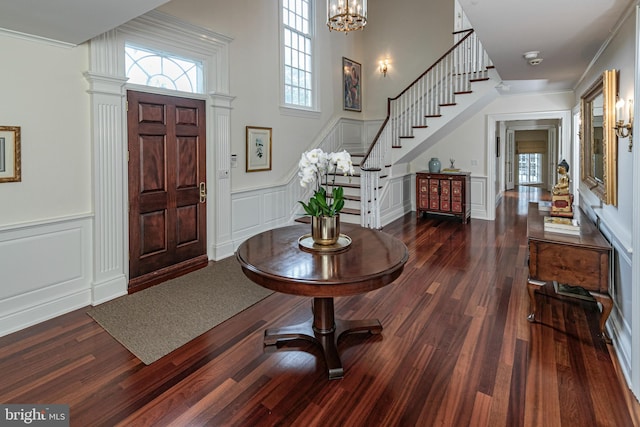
x,y
532,57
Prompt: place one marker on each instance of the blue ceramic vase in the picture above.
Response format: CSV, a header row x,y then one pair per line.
x,y
434,165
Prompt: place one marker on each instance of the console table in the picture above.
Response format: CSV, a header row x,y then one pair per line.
x,y
569,259
274,260
444,194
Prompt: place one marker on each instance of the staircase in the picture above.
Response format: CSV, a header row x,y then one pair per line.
x,y
352,192
454,88
351,212
415,120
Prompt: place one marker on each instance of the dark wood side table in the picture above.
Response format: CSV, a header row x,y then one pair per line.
x,y
573,260
274,260
447,194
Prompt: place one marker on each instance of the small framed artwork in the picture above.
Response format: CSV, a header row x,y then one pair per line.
x,y
10,154
258,149
352,84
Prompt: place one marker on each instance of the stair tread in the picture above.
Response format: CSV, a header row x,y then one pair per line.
x,y
350,211
338,175
346,185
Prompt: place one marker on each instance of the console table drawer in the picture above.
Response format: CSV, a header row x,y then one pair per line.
x,y
577,266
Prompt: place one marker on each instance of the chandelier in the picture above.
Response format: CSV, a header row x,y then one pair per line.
x,y
346,15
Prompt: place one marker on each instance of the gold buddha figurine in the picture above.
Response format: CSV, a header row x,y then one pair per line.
x,y
562,199
562,187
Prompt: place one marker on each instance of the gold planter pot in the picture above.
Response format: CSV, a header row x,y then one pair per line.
x,y
325,230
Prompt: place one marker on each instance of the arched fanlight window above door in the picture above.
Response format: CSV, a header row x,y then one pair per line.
x,y
157,69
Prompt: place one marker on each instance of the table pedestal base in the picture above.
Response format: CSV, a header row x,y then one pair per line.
x,y
323,329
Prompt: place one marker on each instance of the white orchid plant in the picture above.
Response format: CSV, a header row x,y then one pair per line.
x,y
314,167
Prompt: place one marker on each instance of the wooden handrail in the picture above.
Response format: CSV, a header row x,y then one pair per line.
x,y
439,60
377,137
386,120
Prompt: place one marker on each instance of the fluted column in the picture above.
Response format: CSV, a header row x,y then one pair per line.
x,y
108,139
219,153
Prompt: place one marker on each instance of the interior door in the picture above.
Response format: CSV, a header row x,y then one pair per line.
x,y
167,193
509,159
552,149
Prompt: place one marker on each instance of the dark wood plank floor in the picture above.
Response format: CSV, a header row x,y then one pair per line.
x,y
456,350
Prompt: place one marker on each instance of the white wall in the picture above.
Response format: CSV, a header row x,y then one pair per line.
x,y
413,42
46,219
412,37
474,149
255,76
617,222
44,92
620,55
463,144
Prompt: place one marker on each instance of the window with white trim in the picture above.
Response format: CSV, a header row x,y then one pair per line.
x,y
530,168
297,56
158,69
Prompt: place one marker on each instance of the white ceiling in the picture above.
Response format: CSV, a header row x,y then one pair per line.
x,y
568,33
70,21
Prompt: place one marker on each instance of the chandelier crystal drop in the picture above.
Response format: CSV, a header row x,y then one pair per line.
x,y
346,15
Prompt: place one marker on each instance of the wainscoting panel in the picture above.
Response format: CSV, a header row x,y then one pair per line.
x,y
479,208
350,137
247,210
255,211
371,128
274,207
399,198
46,271
618,325
396,201
260,209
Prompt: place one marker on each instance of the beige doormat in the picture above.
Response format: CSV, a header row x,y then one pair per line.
x,y
154,322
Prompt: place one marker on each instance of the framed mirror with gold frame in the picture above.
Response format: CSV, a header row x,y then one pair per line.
x,y
598,141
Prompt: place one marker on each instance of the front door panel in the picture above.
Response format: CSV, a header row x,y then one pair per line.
x,y
167,215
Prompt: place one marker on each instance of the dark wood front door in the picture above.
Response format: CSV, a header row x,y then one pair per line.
x,y
167,194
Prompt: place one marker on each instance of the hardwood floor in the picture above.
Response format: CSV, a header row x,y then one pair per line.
x,y
456,350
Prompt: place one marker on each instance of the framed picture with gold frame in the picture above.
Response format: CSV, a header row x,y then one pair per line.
x,y
351,81
10,154
258,149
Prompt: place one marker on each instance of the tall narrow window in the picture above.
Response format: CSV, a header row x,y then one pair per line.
x,y
530,168
150,68
297,60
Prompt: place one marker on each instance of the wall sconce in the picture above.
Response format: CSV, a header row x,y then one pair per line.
x,y
624,130
383,67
